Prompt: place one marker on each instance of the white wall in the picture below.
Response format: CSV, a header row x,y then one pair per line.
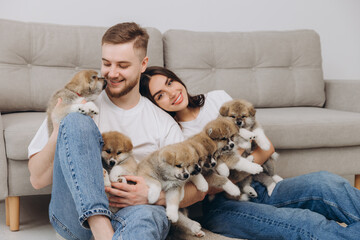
x,y
337,21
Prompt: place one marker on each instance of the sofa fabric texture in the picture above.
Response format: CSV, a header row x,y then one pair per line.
x,y
270,69
313,123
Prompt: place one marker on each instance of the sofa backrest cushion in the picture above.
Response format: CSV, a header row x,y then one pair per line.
x,y
38,59
270,69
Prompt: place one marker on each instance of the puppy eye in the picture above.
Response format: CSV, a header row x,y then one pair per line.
x,y
118,153
93,77
178,166
232,116
224,139
108,151
243,116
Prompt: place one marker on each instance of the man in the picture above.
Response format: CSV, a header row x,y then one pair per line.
x,y
70,158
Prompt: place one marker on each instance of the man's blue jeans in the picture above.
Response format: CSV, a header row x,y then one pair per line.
x,y
78,188
304,207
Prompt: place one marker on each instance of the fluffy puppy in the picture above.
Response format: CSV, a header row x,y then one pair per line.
x,y
117,159
243,113
85,85
206,149
223,129
167,169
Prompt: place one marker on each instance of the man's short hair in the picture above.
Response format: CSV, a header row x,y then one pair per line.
x,y
128,32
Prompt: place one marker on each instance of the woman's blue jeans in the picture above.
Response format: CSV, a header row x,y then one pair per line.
x,y
78,188
304,207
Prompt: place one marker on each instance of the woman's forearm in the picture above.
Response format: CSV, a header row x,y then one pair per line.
x,y
192,195
261,156
41,164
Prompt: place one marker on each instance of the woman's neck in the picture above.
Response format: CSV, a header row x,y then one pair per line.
x,y
188,114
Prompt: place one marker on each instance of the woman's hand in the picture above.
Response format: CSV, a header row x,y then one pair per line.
x,y
124,194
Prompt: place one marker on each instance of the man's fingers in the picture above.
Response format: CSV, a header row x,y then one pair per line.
x,y
123,186
135,179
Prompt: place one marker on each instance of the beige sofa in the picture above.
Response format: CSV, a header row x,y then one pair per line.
x,y
313,124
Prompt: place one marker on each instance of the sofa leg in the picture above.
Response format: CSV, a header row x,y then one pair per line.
x,y
7,212
13,212
357,181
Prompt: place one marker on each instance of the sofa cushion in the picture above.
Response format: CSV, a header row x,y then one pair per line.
x,y
270,69
37,59
19,130
309,127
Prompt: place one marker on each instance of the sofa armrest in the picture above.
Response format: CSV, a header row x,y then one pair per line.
x,y
3,164
343,95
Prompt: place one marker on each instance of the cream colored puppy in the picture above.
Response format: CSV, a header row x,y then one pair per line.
x,y
167,169
84,86
223,129
117,159
243,113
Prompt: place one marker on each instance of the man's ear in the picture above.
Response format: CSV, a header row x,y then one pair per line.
x,y
144,63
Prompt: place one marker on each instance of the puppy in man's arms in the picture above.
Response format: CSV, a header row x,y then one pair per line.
x,y
117,159
76,96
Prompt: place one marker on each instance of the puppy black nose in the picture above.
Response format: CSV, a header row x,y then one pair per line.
x,y
112,163
232,145
213,164
239,122
186,175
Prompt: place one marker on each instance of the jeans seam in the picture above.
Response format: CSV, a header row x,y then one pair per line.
x,y
63,227
70,164
318,199
123,225
271,222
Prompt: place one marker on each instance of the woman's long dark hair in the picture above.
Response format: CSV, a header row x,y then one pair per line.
x,y
194,101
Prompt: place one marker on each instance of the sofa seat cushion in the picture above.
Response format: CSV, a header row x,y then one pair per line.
x,y
309,127
19,129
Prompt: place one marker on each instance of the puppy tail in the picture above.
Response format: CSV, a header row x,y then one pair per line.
x,y
275,156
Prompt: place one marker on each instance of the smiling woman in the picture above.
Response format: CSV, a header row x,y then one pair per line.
x,y
168,92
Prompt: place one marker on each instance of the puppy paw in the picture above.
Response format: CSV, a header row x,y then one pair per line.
x,y
249,167
250,191
92,109
153,194
245,145
271,188
231,189
121,179
250,158
196,229
223,170
244,197
172,213
246,134
277,178
107,182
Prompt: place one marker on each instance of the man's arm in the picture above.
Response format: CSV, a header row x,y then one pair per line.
x,y
41,164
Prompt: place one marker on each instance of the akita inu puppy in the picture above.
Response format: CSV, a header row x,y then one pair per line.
x,y
223,129
84,86
168,169
117,159
206,148
243,113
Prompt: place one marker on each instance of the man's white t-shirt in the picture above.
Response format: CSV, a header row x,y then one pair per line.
x,y
213,102
148,126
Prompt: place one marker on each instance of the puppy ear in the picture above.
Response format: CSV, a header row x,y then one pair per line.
x,y
224,110
252,111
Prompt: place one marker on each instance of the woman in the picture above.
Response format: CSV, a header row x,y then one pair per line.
x,y
304,207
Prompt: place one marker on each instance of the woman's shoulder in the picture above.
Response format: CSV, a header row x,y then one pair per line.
x,y
218,96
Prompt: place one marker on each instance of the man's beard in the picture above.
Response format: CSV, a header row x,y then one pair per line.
x,y
125,91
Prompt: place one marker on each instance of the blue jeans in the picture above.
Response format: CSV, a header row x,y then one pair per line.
x,y
78,188
304,207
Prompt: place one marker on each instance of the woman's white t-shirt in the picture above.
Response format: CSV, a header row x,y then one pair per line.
x,y
148,126
213,102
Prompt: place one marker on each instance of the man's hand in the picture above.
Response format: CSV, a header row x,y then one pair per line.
x,y
124,194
